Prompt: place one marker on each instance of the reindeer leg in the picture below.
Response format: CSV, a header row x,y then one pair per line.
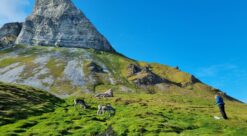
x,y
100,112
85,106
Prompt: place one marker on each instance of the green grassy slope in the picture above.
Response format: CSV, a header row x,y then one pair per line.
x,y
20,102
164,113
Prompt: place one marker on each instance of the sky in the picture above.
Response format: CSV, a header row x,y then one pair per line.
x,y
206,38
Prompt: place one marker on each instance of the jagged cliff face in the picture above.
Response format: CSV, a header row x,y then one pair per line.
x,y
60,23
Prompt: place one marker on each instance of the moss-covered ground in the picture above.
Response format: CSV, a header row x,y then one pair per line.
x,y
163,113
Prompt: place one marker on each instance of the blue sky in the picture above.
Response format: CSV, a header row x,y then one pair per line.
x,y
206,38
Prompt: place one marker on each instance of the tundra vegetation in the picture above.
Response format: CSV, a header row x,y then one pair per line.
x,y
28,111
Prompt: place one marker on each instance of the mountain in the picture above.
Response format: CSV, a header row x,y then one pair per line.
x,y
61,56
79,58
59,23
66,71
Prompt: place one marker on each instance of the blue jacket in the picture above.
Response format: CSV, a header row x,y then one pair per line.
x,y
219,100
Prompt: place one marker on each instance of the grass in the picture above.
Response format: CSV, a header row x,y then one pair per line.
x,y
20,102
172,74
162,113
56,67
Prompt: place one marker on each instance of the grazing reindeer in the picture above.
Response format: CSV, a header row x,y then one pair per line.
x,y
80,102
105,108
108,93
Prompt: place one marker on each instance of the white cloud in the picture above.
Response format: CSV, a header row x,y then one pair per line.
x,y
13,10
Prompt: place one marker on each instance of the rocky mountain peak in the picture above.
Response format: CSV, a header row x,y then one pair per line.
x,y
60,23
54,8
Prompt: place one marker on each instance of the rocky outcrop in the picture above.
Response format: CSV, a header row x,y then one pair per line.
x,y
143,75
10,29
132,69
8,34
93,67
59,23
147,78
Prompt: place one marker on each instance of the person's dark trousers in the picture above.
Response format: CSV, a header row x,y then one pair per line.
x,y
222,111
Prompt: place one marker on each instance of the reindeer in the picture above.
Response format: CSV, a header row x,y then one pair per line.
x,y
108,93
80,102
105,108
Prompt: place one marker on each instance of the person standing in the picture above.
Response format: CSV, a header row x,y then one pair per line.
x,y
221,105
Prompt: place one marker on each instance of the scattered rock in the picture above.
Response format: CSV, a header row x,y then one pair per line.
x,y
108,93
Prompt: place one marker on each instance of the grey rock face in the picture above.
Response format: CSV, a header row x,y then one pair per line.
x,y
93,67
148,79
10,29
60,23
9,33
133,69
